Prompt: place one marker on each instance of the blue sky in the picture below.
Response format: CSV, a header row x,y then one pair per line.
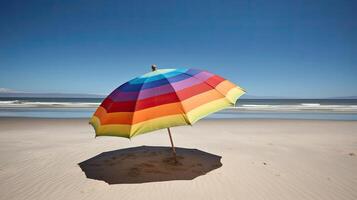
x,y
271,48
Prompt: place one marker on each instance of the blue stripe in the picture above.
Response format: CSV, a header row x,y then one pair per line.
x,y
141,79
193,72
127,87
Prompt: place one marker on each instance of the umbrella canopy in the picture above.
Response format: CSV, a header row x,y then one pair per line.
x,y
161,99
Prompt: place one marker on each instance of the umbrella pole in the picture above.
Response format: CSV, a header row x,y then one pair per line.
x,y
154,68
172,145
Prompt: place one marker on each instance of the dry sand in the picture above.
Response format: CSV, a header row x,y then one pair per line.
x,y
226,159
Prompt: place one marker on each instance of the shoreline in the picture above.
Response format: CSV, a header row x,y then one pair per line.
x,y
202,120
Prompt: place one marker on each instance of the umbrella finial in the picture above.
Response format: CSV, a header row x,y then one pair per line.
x,y
153,67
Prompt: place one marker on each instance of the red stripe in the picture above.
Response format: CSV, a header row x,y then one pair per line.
x,y
131,106
214,80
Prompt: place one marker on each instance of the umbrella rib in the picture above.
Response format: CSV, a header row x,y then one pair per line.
x,y
212,87
136,103
182,108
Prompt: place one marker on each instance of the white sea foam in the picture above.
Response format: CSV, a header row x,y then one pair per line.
x,y
303,107
310,104
297,107
10,102
30,104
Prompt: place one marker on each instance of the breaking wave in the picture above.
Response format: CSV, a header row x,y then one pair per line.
x,y
32,104
297,107
247,107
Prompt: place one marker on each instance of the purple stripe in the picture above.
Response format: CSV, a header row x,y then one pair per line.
x,y
119,96
156,91
204,75
186,83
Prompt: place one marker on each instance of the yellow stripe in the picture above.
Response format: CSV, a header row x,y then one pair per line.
x,y
206,109
234,94
214,106
224,87
152,112
199,99
158,123
128,131
120,130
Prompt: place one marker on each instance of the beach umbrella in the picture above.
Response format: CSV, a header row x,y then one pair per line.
x,y
163,98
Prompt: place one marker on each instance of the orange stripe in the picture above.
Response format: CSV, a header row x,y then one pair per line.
x,y
189,104
201,99
113,118
224,87
219,92
139,116
158,111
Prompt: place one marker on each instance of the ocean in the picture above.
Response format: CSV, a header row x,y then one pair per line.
x,y
325,109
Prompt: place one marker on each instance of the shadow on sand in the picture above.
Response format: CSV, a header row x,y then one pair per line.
x,y
149,164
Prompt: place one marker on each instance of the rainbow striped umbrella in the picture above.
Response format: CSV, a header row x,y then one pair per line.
x,y
161,99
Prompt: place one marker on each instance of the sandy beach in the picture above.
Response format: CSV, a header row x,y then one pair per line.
x,y
226,159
